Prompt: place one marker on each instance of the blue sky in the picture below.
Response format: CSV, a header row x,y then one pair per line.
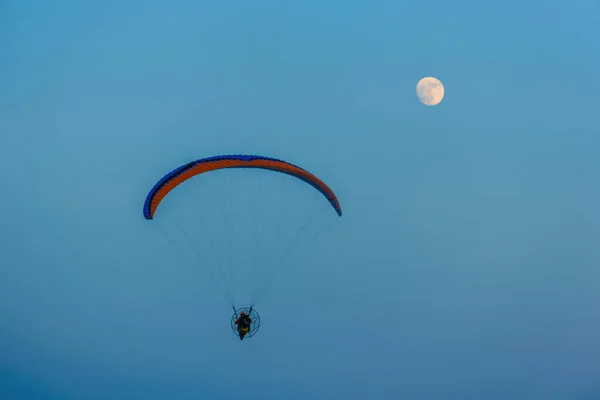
x,y
465,265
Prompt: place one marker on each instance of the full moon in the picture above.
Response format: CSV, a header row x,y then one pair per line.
x,y
430,91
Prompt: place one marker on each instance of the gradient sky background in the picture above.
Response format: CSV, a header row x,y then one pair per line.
x,y
466,265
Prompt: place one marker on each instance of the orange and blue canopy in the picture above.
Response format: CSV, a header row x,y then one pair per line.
x,y
191,169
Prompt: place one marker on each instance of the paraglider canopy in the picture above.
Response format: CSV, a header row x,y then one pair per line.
x,y
185,172
254,316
